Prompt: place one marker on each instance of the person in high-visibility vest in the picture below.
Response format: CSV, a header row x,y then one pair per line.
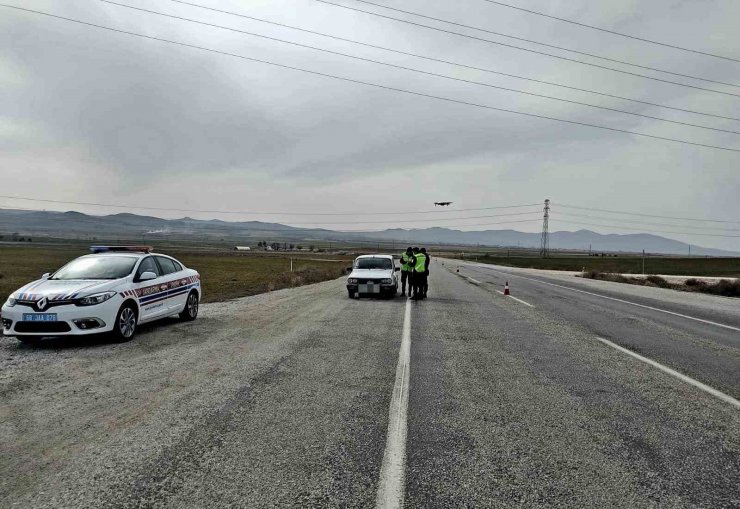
x,y
407,270
420,274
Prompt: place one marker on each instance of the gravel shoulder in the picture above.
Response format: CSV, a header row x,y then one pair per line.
x,y
278,397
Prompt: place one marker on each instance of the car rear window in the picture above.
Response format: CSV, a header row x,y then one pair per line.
x,y
167,265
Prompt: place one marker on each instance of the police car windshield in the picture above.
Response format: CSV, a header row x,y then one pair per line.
x,y
97,267
374,263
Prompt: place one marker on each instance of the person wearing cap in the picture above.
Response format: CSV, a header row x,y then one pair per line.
x,y
407,270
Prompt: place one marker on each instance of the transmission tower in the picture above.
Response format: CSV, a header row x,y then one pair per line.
x,y
545,245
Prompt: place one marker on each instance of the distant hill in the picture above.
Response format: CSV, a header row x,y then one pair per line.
x,y
76,224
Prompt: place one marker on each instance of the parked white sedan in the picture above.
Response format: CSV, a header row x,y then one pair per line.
x,y
113,290
373,275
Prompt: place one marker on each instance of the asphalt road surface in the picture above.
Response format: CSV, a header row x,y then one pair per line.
x,y
579,394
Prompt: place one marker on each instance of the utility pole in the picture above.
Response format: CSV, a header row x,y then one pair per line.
x,y
545,245
643,262
689,250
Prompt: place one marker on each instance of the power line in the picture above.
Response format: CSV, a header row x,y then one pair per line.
x,y
682,48
265,227
244,213
535,51
411,69
647,215
619,227
640,222
449,62
370,84
435,220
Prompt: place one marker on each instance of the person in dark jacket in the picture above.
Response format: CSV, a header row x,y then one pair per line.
x,y
428,261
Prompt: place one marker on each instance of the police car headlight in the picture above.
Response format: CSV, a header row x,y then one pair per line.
x,y
387,281
92,300
11,302
352,281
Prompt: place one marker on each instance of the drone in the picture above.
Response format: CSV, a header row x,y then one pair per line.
x,y
442,203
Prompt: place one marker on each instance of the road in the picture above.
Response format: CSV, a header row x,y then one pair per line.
x,y
306,398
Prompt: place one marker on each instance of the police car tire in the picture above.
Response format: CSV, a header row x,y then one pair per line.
x,y
190,312
351,294
118,335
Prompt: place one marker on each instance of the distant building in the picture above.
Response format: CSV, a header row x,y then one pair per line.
x,y
242,248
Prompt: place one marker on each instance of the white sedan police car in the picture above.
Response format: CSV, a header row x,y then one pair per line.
x,y
112,290
373,275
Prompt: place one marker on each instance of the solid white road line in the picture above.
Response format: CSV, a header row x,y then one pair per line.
x,y
514,298
621,300
474,281
393,471
714,392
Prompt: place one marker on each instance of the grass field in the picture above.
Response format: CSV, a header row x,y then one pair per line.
x,y
727,267
224,275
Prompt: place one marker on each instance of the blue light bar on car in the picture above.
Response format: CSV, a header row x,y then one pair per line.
x,y
114,249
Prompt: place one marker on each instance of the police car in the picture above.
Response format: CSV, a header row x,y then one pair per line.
x,y
373,275
112,290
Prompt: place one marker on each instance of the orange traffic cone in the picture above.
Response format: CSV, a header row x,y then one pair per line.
x,y
506,289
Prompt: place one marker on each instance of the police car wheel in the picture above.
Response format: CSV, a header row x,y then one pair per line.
x,y
125,325
351,294
190,312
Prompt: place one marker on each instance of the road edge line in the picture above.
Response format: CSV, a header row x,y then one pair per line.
x,y
391,486
710,390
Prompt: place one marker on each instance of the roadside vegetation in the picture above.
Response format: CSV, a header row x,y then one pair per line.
x,y
724,287
225,275
719,267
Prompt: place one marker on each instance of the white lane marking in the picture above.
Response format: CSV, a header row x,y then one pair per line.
x,y
474,281
393,470
714,392
621,300
514,298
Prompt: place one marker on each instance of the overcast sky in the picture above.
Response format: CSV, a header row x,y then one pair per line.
x,y
91,115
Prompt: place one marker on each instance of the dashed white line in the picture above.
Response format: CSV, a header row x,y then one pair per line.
x,y
714,392
393,470
621,300
514,298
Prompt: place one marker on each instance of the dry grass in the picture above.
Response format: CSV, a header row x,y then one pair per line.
x,y
724,287
225,275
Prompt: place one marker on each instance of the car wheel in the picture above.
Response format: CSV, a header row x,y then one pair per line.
x,y
126,321
351,294
190,312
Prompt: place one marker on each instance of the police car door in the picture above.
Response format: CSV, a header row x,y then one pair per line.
x,y
171,276
150,293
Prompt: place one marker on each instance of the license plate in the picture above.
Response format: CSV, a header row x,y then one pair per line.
x,y
39,317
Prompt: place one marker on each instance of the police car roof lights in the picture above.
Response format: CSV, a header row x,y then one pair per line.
x,y
116,249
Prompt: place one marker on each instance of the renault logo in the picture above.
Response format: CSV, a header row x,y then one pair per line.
x,y
41,304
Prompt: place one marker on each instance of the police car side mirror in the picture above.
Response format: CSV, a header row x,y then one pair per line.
x,y
147,276
398,269
46,275
349,269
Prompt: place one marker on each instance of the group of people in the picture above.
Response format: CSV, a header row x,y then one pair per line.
x,y
415,272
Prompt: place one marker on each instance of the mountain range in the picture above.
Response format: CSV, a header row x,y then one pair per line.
x,y
125,225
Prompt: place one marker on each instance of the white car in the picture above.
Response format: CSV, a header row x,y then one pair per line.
x,y
373,275
112,290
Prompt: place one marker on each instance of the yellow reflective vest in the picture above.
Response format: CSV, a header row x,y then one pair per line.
x,y
421,262
405,263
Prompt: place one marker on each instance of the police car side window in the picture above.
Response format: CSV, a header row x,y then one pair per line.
x,y
147,265
167,265
178,267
